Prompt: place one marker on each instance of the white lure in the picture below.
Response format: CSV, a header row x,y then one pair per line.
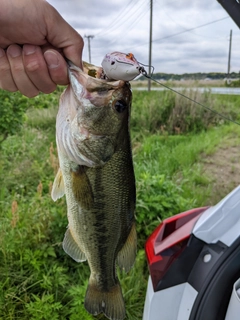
x,y
121,66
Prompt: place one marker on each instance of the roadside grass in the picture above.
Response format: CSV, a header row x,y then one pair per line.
x,y
169,173
166,112
37,279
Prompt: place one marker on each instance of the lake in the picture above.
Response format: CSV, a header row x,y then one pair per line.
x,y
218,90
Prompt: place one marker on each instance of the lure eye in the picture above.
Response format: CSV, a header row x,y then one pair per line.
x,y
120,106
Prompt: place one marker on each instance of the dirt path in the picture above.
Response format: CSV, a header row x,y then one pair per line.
x,y
223,169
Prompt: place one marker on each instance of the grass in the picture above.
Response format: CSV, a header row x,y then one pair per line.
x,y
38,280
178,161
167,112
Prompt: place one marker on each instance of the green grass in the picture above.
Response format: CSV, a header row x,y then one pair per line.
x,y
169,173
169,113
37,279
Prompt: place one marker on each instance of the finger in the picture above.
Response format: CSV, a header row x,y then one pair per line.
x,y
62,35
6,79
57,67
36,68
21,79
74,52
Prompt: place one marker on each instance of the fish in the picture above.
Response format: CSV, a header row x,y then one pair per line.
x,y
96,175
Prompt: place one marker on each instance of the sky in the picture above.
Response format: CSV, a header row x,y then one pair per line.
x,y
188,35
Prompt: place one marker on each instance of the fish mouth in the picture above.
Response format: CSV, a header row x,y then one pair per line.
x,y
93,77
89,84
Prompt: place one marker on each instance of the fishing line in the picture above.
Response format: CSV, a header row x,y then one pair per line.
x,y
144,73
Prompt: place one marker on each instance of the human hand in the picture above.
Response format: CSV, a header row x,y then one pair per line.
x,y
33,39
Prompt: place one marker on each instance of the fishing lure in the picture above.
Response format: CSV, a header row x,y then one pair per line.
x,y
121,66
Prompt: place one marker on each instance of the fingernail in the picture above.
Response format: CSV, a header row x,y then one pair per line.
x,y
51,59
14,51
29,49
2,53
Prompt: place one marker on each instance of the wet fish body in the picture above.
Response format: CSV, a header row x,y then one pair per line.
x,y
96,175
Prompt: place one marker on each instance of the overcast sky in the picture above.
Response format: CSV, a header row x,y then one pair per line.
x,y
123,25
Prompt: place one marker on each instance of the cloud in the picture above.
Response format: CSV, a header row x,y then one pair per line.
x,y
123,25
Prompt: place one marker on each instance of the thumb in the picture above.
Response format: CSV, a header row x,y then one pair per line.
x,y
62,36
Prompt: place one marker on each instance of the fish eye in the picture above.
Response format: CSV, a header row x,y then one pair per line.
x,y
120,106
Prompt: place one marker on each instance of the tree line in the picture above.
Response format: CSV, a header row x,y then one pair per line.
x,y
193,76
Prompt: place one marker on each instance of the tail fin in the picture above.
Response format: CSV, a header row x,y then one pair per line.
x,y
110,303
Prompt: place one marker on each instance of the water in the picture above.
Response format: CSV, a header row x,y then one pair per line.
x,y
218,90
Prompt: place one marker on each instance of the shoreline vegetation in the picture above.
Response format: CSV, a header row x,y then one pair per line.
x,y
177,147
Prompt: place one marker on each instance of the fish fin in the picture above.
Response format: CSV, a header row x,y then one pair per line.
x,y
71,248
58,186
110,302
82,189
127,254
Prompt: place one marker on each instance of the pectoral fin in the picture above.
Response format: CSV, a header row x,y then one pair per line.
x,y
71,248
82,189
58,186
127,254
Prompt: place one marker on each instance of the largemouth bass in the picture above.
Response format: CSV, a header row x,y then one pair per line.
x,y
97,177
